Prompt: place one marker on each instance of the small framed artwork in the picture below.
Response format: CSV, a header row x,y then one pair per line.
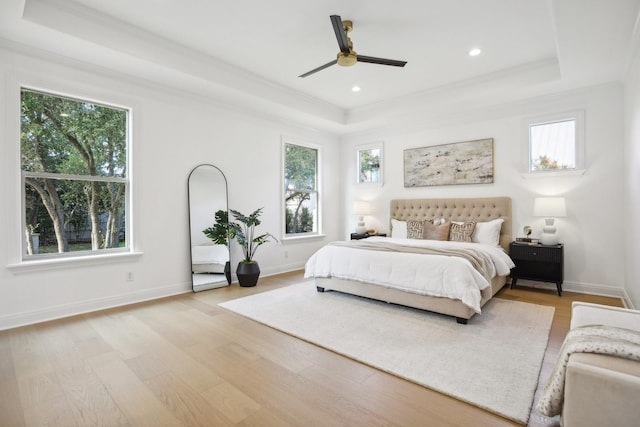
x,y
369,163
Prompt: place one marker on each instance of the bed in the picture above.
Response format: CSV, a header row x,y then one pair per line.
x,y
365,268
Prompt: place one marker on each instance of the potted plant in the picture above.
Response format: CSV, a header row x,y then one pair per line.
x,y
248,270
220,233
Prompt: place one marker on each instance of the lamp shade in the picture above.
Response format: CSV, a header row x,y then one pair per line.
x,y
549,207
362,208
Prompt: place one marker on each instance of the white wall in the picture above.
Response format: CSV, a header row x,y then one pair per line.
x,y
172,132
592,231
632,182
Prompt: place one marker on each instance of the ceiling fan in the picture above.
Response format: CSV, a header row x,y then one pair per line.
x,y
347,56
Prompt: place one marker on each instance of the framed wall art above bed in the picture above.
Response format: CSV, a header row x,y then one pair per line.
x,y
468,162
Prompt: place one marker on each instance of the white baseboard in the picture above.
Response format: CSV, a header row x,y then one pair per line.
x,y
66,310
581,288
626,299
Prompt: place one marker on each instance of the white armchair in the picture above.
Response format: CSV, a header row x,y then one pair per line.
x,y
602,390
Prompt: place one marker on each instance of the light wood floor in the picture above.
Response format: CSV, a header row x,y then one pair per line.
x,y
182,361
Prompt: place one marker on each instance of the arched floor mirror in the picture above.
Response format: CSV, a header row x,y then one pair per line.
x,y
209,259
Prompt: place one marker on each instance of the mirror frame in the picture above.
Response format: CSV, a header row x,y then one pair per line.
x,y
226,279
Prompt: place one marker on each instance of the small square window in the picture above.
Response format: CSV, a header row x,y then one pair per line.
x,y
555,143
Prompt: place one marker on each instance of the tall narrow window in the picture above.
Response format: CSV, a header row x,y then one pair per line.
x,y
74,175
300,190
369,164
555,143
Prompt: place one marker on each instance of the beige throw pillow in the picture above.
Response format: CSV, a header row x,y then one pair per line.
x,y
436,232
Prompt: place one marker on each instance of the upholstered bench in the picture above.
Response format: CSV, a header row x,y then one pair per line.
x,y
602,390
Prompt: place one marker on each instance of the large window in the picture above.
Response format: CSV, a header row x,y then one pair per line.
x,y
74,176
556,143
300,190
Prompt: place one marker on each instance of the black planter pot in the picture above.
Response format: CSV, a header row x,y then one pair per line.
x,y
248,273
227,271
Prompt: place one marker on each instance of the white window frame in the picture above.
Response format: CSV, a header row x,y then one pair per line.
x,y
301,236
575,115
19,262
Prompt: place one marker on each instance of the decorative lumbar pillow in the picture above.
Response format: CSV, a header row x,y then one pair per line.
x,y
488,232
415,228
398,229
436,232
462,231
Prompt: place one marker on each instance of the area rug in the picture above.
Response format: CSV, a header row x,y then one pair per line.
x,y
492,362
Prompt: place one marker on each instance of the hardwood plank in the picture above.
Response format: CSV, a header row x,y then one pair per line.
x,y
140,406
185,403
231,401
38,389
11,411
51,412
29,357
88,397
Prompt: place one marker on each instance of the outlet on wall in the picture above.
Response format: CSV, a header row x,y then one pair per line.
x,y
129,276
286,254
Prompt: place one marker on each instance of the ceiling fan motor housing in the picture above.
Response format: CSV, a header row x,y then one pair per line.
x,y
347,59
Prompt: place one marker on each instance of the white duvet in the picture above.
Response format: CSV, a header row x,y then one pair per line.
x,y
435,275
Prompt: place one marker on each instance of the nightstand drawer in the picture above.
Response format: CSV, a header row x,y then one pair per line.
x,y
536,253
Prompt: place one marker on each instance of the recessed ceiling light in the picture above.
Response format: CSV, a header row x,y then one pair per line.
x,y
475,52
355,89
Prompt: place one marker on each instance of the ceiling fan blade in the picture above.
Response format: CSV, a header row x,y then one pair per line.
x,y
340,34
381,61
320,68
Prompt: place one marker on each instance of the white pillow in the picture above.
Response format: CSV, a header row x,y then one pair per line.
x,y
488,232
398,229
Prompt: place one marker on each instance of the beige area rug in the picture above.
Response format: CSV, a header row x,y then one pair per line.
x,y
493,362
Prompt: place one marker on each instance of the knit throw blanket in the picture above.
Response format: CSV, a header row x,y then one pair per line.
x,y
598,339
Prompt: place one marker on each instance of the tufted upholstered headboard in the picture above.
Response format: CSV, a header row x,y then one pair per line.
x,y
472,209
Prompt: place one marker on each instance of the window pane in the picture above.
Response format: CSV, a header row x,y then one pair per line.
x,y
61,135
553,146
71,203
301,210
300,167
369,165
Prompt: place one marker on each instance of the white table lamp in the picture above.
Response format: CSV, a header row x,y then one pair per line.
x,y
549,208
361,209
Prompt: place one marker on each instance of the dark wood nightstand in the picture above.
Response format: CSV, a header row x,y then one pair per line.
x,y
537,262
356,236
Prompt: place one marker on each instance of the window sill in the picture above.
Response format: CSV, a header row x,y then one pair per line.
x,y
294,239
64,263
553,174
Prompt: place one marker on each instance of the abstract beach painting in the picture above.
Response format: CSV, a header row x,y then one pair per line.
x,y
468,162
